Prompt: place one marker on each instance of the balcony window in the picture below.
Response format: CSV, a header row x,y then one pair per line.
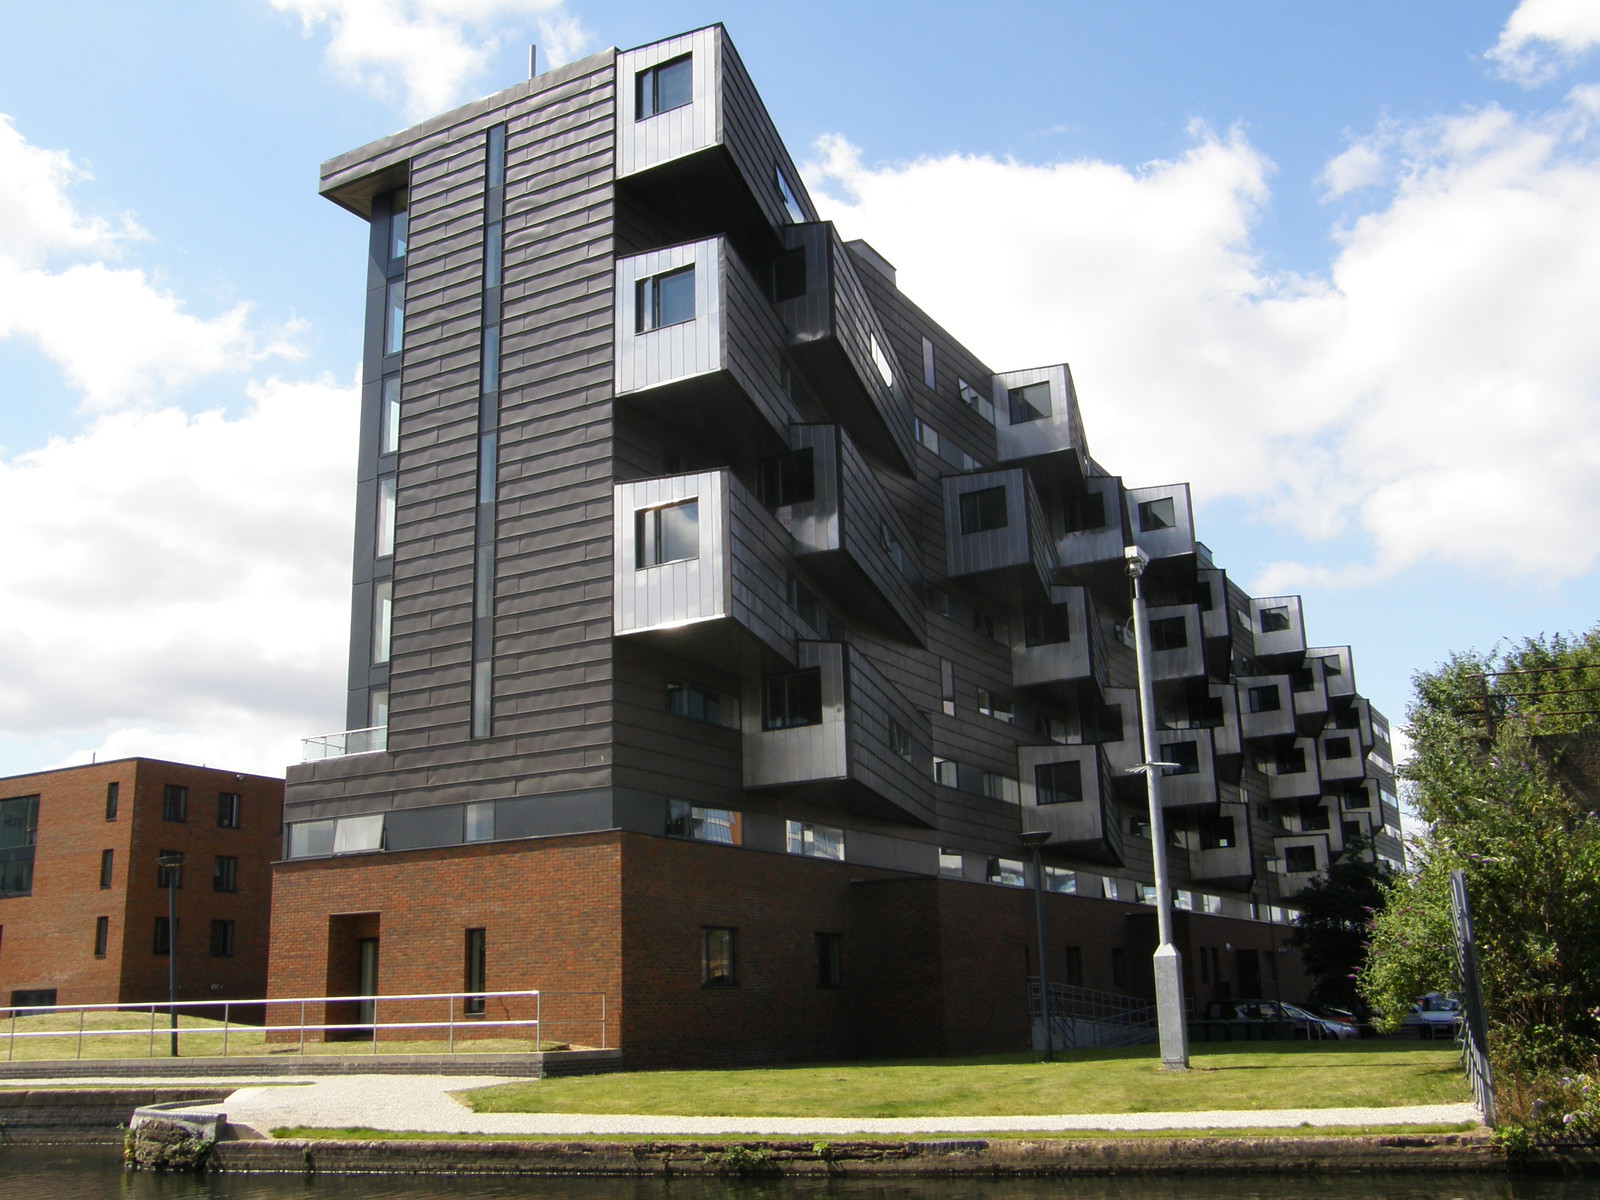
x,y
983,510
702,704
1185,754
1047,626
1058,783
814,841
1275,620
1338,747
1030,403
664,87
1265,699
666,299
721,825
788,479
1314,817
791,700
1156,515
1300,860
1005,871
1169,633
716,957
1291,761
1217,833
1084,513
668,534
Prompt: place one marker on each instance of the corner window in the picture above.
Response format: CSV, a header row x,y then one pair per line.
x,y
225,874
1030,403
1058,783
666,299
174,803
664,87
787,479
1156,515
1265,699
1185,754
791,205
791,700
1005,871
227,810
983,510
717,957
814,841
1275,620
669,534
721,825
221,939
1169,633
830,960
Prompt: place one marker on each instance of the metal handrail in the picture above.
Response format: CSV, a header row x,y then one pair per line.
x,y
536,1022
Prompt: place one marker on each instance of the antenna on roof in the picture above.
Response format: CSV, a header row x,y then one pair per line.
x,y
533,61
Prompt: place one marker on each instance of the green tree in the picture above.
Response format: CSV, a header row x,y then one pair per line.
x,y
1331,930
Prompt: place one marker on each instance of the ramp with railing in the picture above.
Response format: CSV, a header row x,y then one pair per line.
x,y
1084,1019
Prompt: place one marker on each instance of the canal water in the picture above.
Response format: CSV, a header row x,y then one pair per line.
x,y
95,1173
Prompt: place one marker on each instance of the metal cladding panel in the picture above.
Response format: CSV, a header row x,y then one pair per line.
x,y
1090,826
1350,768
1270,642
1338,670
673,593
1172,541
689,348
753,142
1298,785
1022,542
1060,429
1313,701
815,524
1272,723
642,144
806,753
872,702
1081,547
1214,619
754,337
1187,661
1188,790
1225,740
1080,657
1290,882
1125,753
867,513
759,577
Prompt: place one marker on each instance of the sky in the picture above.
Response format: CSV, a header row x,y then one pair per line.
x,y
1335,265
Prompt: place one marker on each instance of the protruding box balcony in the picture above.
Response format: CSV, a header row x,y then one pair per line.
x,y
1071,792
1222,853
1340,757
1338,670
1215,708
697,347
996,536
1292,772
836,337
837,730
695,143
1266,706
1193,781
1120,737
1300,858
1062,650
700,566
1355,716
1310,692
1278,628
1211,594
1036,420
845,531
1177,651
1093,536
1161,520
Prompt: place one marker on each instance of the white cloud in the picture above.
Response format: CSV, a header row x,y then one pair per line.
x,y
1544,37
424,54
176,585
1437,391
116,335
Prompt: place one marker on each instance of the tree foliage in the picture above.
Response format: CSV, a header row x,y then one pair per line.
x,y
1331,930
1491,778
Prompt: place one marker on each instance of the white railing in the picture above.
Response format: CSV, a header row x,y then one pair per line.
x,y
350,741
472,1017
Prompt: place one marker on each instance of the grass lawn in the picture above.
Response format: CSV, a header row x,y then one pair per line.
x,y
1242,1076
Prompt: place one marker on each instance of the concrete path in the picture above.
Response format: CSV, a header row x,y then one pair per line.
x,y
423,1103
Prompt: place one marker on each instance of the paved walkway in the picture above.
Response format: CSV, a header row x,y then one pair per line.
x,y
423,1103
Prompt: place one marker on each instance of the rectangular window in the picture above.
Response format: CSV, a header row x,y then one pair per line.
x,y
351,835
664,87
162,942
944,772
1351,830
950,866
475,973
1291,761
480,821
999,787
1300,860
791,205
112,791
221,939
382,619
670,534
1047,626
387,501
1155,515
1005,871
947,686
702,704
991,704
787,479
1074,966
1185,754
1169,633
102,935
225,874
1183,898
495,153
1314,817
1217,833
1058,783
666,299
805,603
1212,905
493,253
830,960
399,229
394,317
721,825
1030,403
880,360
1108,888
1083,513
717,967
1338,747
1265,699
1357,798
174,803
1061,881
227,810
489,361
899,739
169,874
976,400
791,700
814,841
1147,893
895,551
983,510
1302,679
1274,620
928,376
785,279
107,865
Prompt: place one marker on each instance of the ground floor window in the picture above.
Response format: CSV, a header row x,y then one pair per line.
x,y
830,960
477,959
716,957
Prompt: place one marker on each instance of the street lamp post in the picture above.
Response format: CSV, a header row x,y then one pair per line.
x,y
173,863
1170,1026
1036,838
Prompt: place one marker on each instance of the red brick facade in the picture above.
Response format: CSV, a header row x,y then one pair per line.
x,y
47,937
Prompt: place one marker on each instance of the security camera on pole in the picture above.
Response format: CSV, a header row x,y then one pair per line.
x,y
1174,1035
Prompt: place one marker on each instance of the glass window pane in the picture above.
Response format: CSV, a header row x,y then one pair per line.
x,y
491,359
674,84
308,839
492,254
386,515
679,532
394,325
675,297
389,416
399,227
358,833
1030,403
1157,514
382,614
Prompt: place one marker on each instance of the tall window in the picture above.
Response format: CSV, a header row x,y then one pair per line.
x,y
386,515
221,939
227,810
399,228
791,206
1030,403
830,960
394,317
19,826
112,790
1058,783
107,865
162,942
102,935
664,87
174,803
929,378
666,299
477,961
983,510
668,534
382,618
792,699
1074,966
717,967
225,873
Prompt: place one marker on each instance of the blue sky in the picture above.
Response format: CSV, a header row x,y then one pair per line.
x,y
1361,240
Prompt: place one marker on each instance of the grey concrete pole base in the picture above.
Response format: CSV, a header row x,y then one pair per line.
x,y
1169,1008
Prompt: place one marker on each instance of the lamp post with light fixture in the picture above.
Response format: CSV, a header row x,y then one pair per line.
x,y
1173,1034
172,864
1036,838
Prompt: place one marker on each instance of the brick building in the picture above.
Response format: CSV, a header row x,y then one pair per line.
x,y
83,901
720,622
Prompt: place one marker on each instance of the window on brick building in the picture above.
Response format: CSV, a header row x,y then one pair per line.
x,y
107,861
717,967
225,873
102,935
1119,968
830,960
227,810
476,971
174,802
162,942
112,790
221,939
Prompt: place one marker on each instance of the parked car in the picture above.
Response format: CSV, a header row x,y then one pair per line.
x,y
1434,1015
1270,1014
1359,1021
